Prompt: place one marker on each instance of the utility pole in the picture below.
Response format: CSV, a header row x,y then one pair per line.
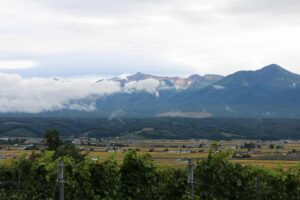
x,y
257,188
191,179
19,181
150,196
61,179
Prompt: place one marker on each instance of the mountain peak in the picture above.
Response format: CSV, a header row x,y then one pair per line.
x,y
138,76
213,77
194,76
273,68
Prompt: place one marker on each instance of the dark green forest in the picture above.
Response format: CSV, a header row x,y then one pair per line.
x,y
138,178
160,128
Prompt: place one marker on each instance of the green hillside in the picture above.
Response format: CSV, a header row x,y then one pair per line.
x,y
155,128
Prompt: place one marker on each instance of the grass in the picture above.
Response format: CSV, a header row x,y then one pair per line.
x,y
165,159
268,163
162,158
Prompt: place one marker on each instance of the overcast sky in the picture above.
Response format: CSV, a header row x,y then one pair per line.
x,y
174,37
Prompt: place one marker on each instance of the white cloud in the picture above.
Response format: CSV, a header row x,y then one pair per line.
x,y
17,64
34,95
149,85
47,94
175,36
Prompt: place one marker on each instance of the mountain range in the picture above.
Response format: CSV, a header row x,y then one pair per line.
x,y
271,92
154,128
194,81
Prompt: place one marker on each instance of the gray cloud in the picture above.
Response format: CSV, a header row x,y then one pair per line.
x,y
47,94
99,37
75,64
105,8
34,95
273,7
76,37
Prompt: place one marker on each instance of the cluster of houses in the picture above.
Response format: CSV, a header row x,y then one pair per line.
x,y
84,140
242,148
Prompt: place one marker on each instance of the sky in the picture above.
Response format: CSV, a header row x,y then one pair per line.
x,y
74,38
53,51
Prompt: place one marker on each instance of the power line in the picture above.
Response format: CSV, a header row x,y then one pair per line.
x,y
61,179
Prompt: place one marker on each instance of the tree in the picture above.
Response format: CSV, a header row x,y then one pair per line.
x,y
105,179
137,176
171,184
219,178
69,150
249,146
52,139
214,147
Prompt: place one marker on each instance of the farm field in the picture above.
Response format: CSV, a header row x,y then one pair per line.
x,y
174,153
173,159
170,159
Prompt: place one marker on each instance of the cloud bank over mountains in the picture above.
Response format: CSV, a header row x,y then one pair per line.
x,y
34,95
271,91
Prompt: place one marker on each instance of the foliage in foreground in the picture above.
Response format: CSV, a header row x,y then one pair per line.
x,y
139,178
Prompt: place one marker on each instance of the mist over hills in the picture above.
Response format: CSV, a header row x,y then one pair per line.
x,y
246,104
271,92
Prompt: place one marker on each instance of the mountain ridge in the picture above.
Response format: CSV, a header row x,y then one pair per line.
x,y
270,92
194,80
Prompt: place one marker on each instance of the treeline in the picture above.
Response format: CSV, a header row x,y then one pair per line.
x,y
138,178
156,128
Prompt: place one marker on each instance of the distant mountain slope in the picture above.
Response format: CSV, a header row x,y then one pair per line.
x,y
272,77
193,81
155,128
271,92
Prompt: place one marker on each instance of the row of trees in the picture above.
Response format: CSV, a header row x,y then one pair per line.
x,y
138,178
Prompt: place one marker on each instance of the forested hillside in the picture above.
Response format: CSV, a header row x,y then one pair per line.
x,y
155,128
270,92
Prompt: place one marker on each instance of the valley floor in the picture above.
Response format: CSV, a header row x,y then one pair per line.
x,y
175,153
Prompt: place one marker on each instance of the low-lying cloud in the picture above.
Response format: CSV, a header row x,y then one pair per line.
x,y
34,95
149,85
